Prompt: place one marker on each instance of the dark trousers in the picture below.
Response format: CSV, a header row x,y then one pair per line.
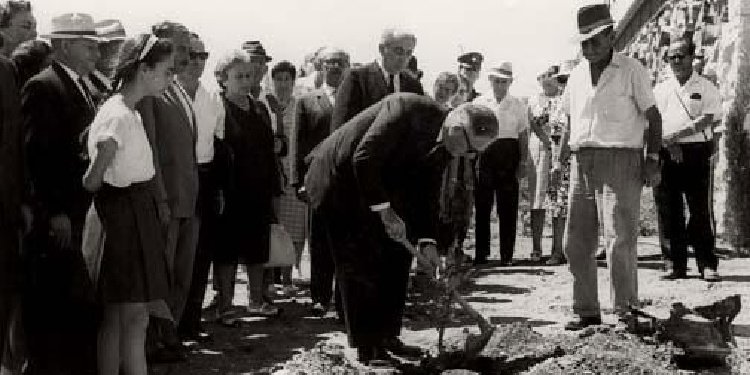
x,y
60,315
208,210
322,270
372,272
688,181
10,297
497,167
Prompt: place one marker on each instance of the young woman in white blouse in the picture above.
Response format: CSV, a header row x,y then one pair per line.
x,y
133,266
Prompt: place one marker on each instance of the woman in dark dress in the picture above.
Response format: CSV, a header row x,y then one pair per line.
x,y
251,183
133,265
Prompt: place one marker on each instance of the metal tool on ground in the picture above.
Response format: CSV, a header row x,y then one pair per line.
x,y
474,343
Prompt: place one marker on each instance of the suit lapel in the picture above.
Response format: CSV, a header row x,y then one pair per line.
x,y
74,93
377,81
171,95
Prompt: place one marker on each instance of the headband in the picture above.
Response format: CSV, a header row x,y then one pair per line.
x,y
150,42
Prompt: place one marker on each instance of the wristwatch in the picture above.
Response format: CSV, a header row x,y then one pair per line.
x,y
653,156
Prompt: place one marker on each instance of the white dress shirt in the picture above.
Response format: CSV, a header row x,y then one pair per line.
x,y
512,114
677,104
612,113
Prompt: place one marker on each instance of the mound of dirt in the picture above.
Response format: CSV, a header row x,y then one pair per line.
x,y
323,359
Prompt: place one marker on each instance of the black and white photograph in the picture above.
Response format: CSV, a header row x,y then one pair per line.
x,y
386,187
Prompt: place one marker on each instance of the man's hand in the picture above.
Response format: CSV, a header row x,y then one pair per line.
x,y
675,152
60,230
162,209
28,218
651,172
429,250
394,226
302,194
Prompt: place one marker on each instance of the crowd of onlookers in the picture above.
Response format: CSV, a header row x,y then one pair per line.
x,y
124,180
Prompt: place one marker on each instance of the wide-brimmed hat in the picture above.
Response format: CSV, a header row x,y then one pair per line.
x,y
549,72
504,70
255,48
110,30
593,19
73,26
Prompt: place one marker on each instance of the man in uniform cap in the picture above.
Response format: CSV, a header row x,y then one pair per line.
x,y
469,66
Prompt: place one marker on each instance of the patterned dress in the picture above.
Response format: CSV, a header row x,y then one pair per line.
x,y
292,211
557,192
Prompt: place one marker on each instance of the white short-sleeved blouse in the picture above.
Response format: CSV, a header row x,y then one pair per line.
x,y
133,161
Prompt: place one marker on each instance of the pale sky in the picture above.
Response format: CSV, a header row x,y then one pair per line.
x,y
532,34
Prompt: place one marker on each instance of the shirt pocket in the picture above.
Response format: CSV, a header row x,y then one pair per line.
x,y
615,104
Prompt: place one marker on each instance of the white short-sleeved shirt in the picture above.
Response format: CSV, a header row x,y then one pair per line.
x,y
209,121
512,114
612,113
698,97
133,161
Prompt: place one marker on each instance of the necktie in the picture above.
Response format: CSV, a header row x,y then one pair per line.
x,y
391,84
86,92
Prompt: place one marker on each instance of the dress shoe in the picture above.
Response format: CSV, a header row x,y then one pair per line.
x,y
373,356
710,274
171,354
479,261
556,260
397,347
674,275
197,335
319,309
582,322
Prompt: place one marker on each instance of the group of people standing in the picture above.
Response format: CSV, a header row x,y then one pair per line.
x,y
125,178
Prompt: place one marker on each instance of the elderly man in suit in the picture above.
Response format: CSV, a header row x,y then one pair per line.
x,y
11,221
375,181
366,85
60,318
313,125
170,123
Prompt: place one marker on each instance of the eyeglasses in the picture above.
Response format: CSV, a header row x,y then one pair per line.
x,y
674,58
401,51
199,55
336,62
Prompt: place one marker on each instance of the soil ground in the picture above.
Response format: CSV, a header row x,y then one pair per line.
x,y
529,294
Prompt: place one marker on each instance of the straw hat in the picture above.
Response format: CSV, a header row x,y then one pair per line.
x,y
73,26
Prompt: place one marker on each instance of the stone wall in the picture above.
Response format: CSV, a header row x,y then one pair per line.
x,y
721,31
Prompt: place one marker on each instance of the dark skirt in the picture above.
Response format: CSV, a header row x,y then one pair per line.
x,y
244,235
134,263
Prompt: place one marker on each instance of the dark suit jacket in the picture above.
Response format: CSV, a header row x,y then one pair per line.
x,y
173,139
56,115
11,142
312,126
364,86
382,155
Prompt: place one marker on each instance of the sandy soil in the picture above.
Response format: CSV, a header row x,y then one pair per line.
x,y
526,294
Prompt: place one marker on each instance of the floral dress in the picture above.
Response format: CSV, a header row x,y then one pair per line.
x,y
557,191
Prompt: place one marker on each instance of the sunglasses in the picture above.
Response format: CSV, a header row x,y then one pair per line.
x,y
199,55
336,62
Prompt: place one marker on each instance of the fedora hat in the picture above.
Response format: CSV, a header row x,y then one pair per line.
x,y
73,26
110,30
255,48
593,19
504,70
